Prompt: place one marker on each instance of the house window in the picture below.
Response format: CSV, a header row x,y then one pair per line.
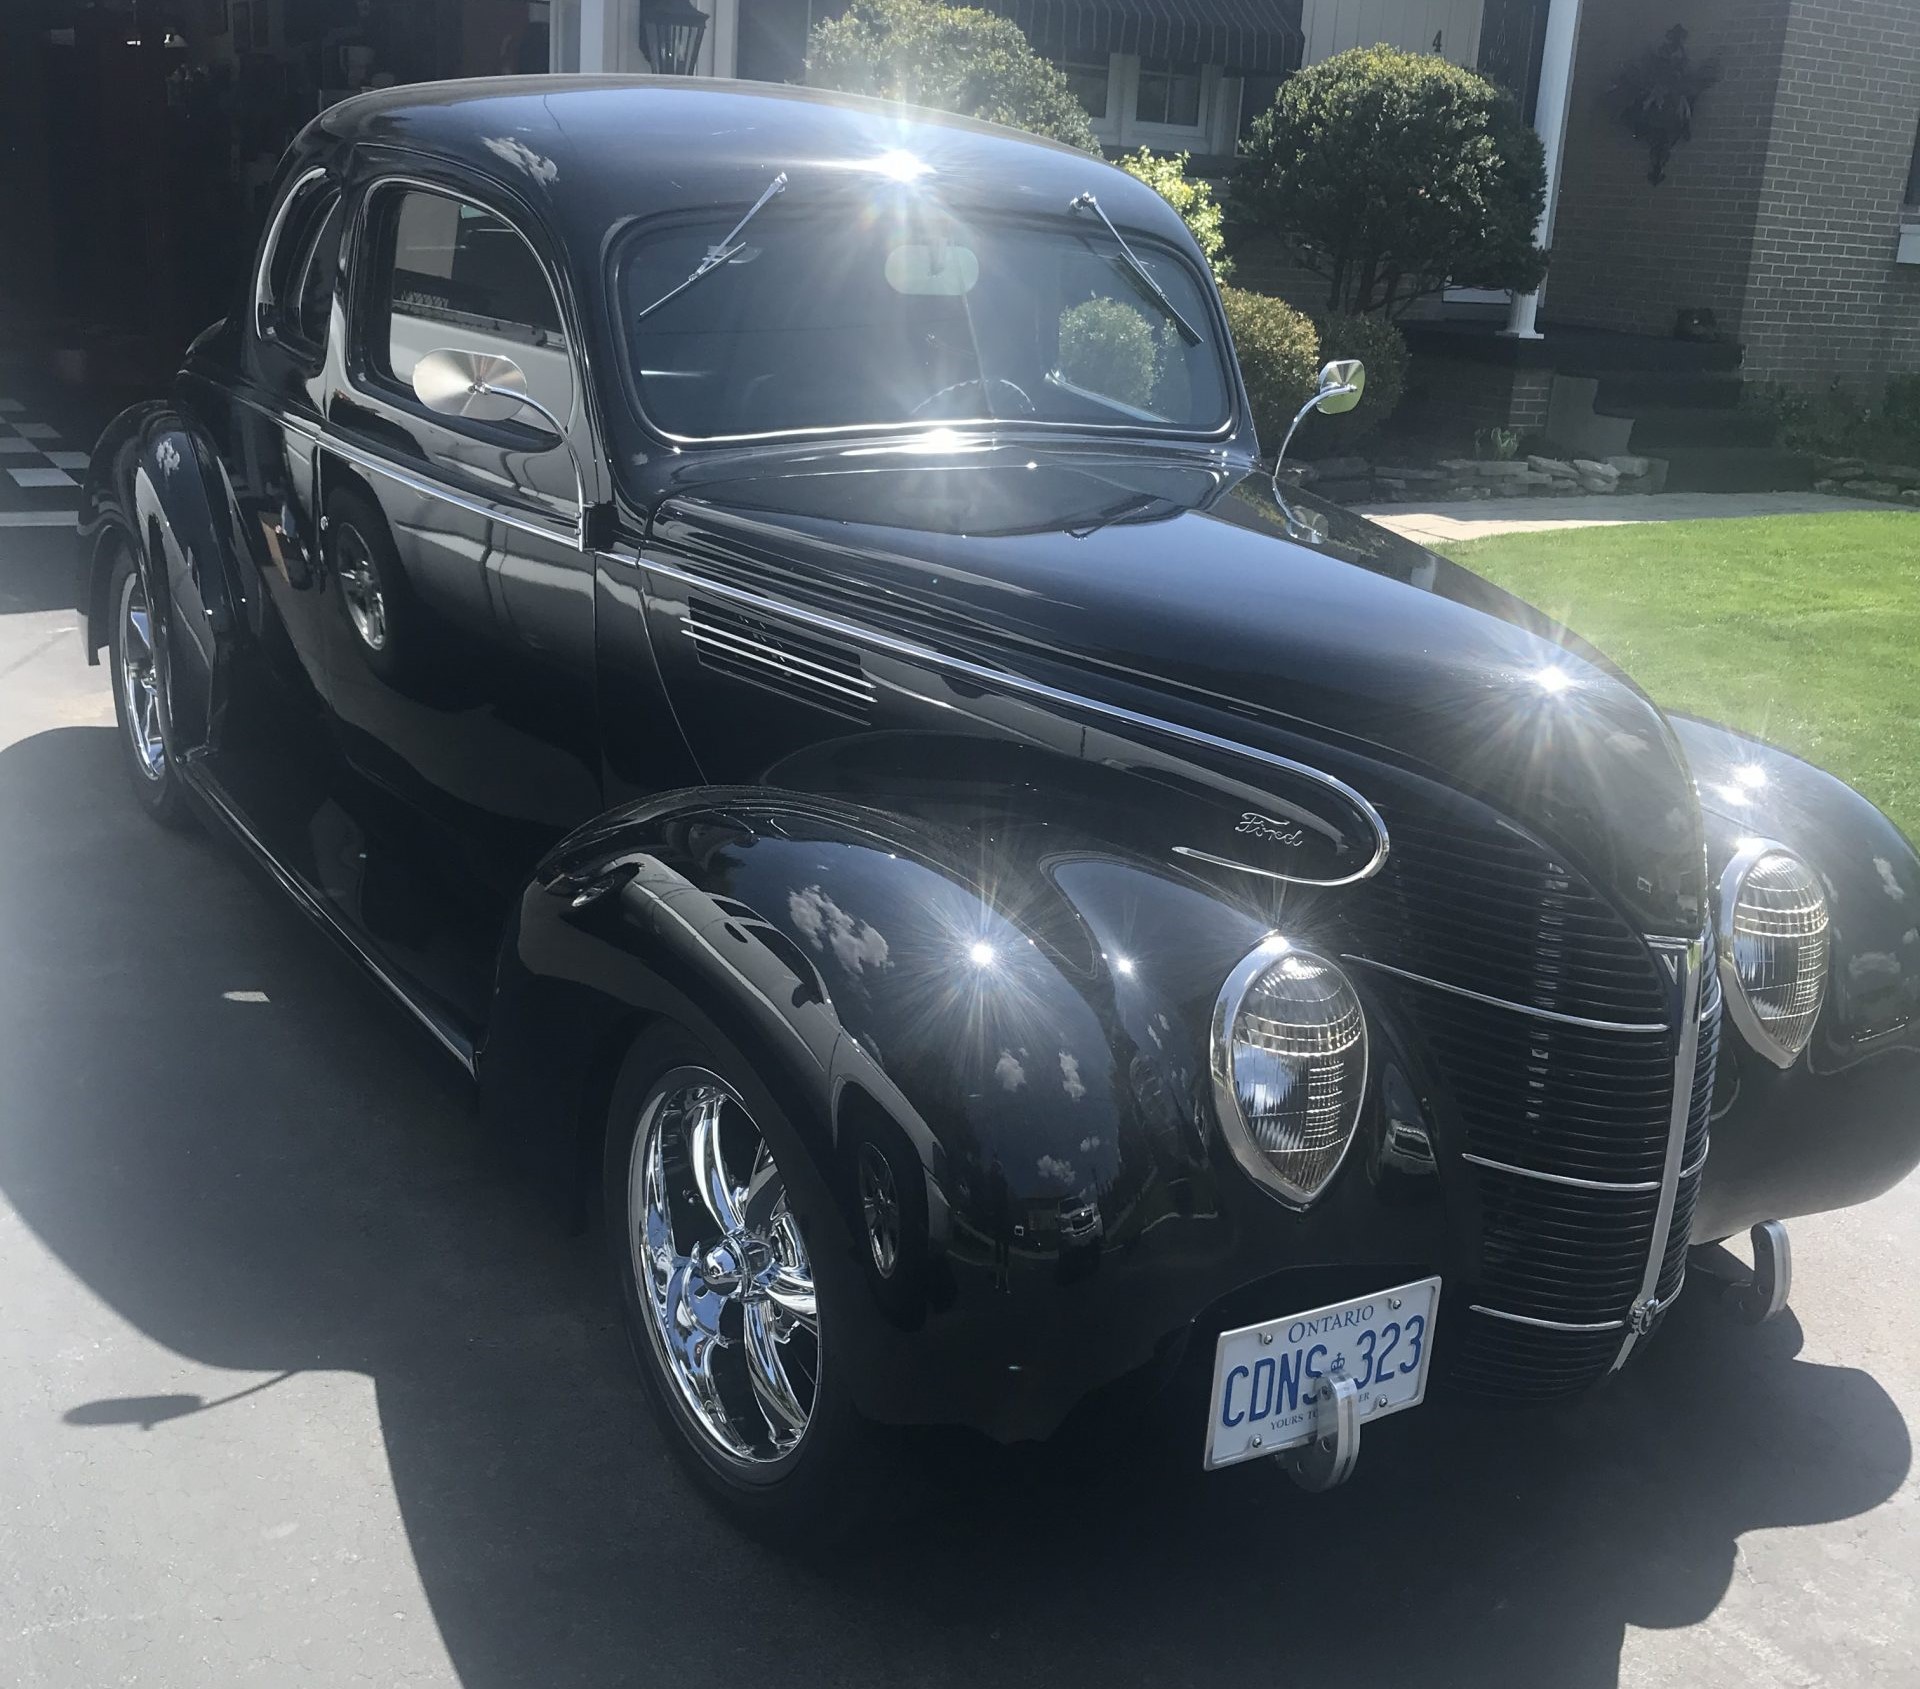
x,y
1090,83
1168,94
1913,178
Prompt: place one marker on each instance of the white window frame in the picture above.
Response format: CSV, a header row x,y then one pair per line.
x,y
1173,137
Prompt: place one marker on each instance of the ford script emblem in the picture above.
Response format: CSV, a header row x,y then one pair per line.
x,y
1257,826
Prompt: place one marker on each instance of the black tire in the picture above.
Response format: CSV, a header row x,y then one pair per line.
x,y
844,1472
139,684
382,618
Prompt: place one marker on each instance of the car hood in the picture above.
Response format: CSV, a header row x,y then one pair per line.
x,y
1176,582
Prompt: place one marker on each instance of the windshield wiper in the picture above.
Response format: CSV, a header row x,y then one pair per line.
x,y
720,254
1139,271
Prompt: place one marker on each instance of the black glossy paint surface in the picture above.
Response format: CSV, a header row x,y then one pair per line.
x,y
943,778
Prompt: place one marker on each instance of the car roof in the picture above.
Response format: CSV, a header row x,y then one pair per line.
x,y
605,148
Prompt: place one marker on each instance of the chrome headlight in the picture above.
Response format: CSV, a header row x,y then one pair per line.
x,y
1289,1068
1773,948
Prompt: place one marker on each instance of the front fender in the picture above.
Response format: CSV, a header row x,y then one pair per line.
x,y
1842,1124
1021,1026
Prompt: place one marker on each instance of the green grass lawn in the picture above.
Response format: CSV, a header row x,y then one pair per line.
x,y
1801,630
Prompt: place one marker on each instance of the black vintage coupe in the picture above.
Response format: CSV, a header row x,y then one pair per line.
x,y
758,620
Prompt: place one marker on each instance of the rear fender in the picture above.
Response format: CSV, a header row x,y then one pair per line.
x,y
106,518
155,485
1842,1124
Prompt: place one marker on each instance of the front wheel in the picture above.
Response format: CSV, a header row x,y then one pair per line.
x,y
729,1325
138,702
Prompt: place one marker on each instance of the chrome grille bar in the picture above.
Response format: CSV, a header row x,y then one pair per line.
x,y
1684,959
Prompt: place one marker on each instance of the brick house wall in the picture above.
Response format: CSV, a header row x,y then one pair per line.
x,y
1782,215
1827,300
1629,255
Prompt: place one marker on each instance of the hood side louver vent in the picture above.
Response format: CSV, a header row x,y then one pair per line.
x,y
797,666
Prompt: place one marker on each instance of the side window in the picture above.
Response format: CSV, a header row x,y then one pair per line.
x,y
448,274
294,295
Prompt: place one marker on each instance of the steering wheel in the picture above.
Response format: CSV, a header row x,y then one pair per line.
x,y
985,383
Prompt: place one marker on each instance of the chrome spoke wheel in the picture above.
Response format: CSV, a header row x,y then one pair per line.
x,y
880,1209
360,587
725,1283
139,679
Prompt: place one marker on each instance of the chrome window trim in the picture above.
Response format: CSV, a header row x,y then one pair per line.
x,y
352,362
1544,1325
1641,1186
369,194
1644,1028
1222,348
1000,680
262,292
1689,956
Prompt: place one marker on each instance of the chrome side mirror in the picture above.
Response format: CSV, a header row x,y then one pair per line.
x,y
486,387
1341,384
482,386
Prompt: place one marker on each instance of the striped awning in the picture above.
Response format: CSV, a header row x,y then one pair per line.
x,y
1249,37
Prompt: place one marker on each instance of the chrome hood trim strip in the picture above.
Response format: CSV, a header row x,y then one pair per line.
x,y
1001,680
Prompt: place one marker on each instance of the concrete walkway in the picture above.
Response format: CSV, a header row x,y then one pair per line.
x,y
1479,519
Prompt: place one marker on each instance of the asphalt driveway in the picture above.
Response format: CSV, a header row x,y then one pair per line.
x,y
296,1385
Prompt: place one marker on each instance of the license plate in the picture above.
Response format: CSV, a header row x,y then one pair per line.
x,y
1267,1378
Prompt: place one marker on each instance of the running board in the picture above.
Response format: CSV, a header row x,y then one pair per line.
x,y
205,787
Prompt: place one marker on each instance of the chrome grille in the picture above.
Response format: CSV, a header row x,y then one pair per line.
x,y
1483,905
1562,1130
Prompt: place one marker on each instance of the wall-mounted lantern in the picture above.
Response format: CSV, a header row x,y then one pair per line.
x,y
670,35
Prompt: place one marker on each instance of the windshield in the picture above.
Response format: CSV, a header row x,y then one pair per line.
x,y
817,319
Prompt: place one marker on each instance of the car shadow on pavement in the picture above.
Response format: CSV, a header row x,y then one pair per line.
x,y
296,1183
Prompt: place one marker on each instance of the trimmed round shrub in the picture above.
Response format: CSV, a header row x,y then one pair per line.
x,y
1279,352
1191,196
1109,347
1395,173
950,58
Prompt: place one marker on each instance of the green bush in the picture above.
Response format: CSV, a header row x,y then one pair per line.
x,y
1394,174
1279,352
1383,349
951,58
1837,422
1191,196
1109,347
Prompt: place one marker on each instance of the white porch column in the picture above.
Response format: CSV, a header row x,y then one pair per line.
x,y
1550,119
600,42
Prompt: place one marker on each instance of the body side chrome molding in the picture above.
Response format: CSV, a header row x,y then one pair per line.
x,y
1646,1028
327,440
1544,1325
1265,873
361,458
1642,1186
1000,680
205,786
1689,957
